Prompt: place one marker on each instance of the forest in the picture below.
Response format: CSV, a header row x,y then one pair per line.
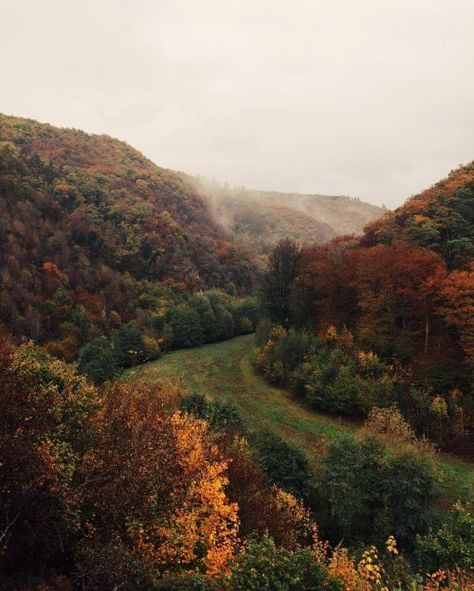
x,y
110,480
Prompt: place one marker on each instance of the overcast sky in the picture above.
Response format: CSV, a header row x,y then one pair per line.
x,y
369,98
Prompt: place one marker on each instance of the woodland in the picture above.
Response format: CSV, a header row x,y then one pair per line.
x,y
110,480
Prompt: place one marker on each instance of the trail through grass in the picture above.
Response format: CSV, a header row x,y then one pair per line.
x,y
222,371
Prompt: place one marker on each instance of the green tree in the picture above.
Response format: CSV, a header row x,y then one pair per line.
x,y
97,360
279,279
410,489
262,566
128,345
284,465
353,478
451,545
222,416
186,326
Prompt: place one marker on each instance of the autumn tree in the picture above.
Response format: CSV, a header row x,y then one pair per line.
x,y
279,280
397,287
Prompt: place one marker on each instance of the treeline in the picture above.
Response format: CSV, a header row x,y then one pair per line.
x,y
440,218
132,487
163,324
87,224
354,327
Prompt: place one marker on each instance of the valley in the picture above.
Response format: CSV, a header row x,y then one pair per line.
x,y
223,371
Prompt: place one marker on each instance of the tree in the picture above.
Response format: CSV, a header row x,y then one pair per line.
x,y
456,306
279,280
284,464
155,491
262,566
97,359
353,478
128,345
45,427
397,287
452,544
186,326
410,487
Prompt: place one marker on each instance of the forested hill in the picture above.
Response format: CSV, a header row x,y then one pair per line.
x,y
262,218
86,221
440,218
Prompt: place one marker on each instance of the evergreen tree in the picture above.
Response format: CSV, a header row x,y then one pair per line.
x,y
279,280
97,360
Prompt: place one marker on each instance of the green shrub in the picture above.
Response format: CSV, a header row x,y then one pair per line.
x,y
450,546
97,360
262,566
284,465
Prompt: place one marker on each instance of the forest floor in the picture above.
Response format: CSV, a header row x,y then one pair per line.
x,y
223,371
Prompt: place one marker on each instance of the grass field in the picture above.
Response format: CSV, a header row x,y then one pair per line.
x,y
223,371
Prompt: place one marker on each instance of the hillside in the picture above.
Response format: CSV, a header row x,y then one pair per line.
x,y
88,224
216,369
399,298
440,218
262,218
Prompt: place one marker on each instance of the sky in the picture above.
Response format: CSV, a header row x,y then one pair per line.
x,y
368,98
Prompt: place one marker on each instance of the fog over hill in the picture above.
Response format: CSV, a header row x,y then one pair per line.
x,y
261,218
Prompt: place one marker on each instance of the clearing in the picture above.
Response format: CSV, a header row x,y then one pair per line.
x,y
224,371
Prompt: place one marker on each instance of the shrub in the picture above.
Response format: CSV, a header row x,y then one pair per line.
x,y
450,546
128,346
98,361
284,465
262,566
222,416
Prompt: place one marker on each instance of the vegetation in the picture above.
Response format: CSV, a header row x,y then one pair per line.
x,y
383,320
118,487
260,219
93,236
314,459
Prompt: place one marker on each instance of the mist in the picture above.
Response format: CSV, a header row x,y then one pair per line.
x,y
372,99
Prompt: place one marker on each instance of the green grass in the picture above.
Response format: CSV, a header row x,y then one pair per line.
x,y
223,371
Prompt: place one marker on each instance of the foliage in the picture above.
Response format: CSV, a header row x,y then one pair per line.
x,y
221,416
44,428
440,218
404,294
284,465
97,360
264,567
92,234
278,281
330,375
372,495
452,545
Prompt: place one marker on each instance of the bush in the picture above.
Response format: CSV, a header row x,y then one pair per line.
x,y
262,332
372,495
128,346
98,361
222,416
284,465
186,327
262,566
450,546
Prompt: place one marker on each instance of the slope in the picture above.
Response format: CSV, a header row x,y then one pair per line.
x,y
224,371
440,218
260,218
86,221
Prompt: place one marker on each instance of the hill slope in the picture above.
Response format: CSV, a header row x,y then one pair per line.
x,y
86,219
260,219
223,371
440,218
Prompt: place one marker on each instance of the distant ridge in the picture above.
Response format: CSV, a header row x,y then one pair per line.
x,y
261,218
